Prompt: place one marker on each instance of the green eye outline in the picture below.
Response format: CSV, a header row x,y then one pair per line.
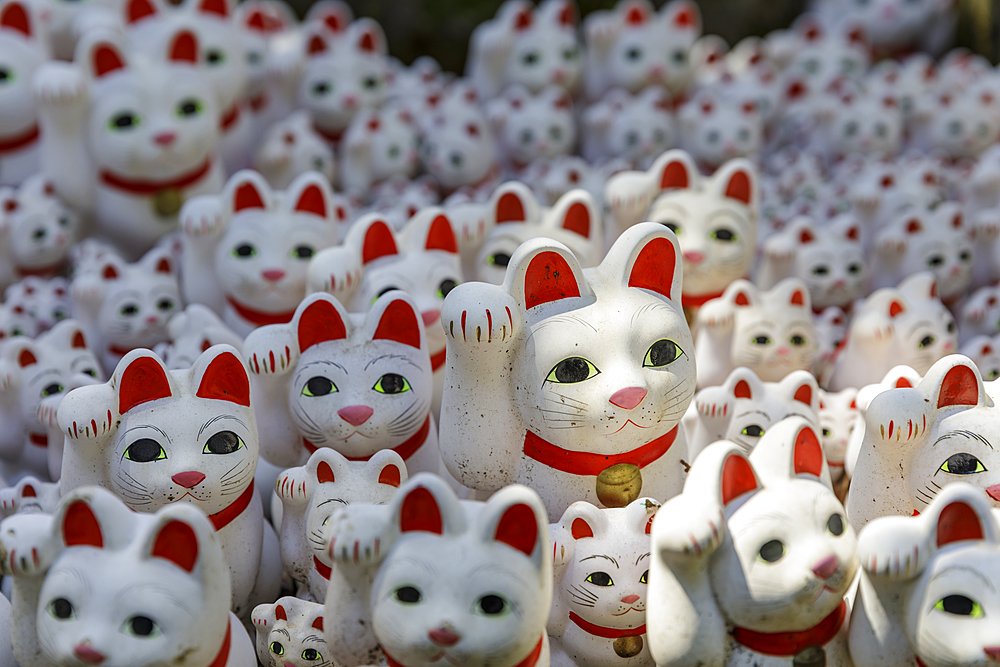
x,y
590,579
592,371
382,390
446,286
926,341
746,430
128,630
317,656
756,340
306,391
10,76
235,251
51,608
647,361
276,648
492,259
239,444
161,456
115,127
979,465
298,252
48,391
644,579
199,107
975,612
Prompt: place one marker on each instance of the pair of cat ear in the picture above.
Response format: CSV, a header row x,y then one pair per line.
x,y
157,260
797,386
575,211
365,36
679,14
65,335
321,318
430,229
310,193
140,10
790,291
675,169
102,52
804,230
306,614
327,465
581,520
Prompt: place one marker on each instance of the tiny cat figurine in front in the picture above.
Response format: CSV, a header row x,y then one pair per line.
x,y
157,437
572,381
98,584
309,494
290,634
771,333
121,146
752,561
24,51
434,580
246,251
126,306
601,569
354,383
838,412
926,595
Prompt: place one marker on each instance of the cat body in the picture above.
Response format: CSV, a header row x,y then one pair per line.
x,y
290,147
290,632
192,331
23,53
838,412
36,231
580,375
379,144
530,127
601,567
156,437
635,127
752,561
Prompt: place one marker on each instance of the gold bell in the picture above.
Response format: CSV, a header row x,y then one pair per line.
x,y
628,647
811,656
619,485
167,203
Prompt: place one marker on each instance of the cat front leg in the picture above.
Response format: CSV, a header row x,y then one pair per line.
x,y
203,223
295,493
712,348
336,271
271,361
28,546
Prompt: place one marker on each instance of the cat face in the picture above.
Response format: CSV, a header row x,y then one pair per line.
x,y
383,142
985,352
963,126
458,149
837,418
641,129
44,302
41,230
290,633
715,131
545,49
823,57
22,54
532,127
937,241
831,261
291,147
867,126
653,49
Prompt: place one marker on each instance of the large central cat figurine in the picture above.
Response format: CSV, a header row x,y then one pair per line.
x,y
571,381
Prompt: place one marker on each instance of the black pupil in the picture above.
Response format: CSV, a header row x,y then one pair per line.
x,y
962,463
130,310
724,235
4,74
672,226
144,450
754,430
771,551
321,88
821,270
530,58
501,259
446,286
491,604
189,107
958,604
408,594
387,290
633,54
926,340
371,82
53,388
319,386
762,340
854,268
124,120
392,383
600,579
276,647
798,340
142,626
62,608
224,442
662,352
574,369
38,234
244,250
936,260
310,654
303,252
835,524
214,56
165,304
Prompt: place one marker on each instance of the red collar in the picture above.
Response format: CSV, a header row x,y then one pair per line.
x,y
324,570
229,118
259,317
437,360
223,656
224,517
40,271
788,644
606,633
38,439
142,187
920,663
332,136
588,463
119,350
692,301
529,661
405,450
19,142
258,102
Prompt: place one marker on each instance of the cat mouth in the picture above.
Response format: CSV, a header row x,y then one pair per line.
x,y
627,422
641,611
345,439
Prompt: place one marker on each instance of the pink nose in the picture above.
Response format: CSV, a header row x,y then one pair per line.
x,y
288,664
992,652
355,415
694,257
782,351
827,567
274,275
88,655
993,491
189,479
165,138
443,637
350,101
430,317
628,398
629,599
151,319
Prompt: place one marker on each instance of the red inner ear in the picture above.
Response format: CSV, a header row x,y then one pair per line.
x,y
214,7
510,208
684,18
78,340
958,522
26,358
742,390
80,527
675,175
420,512
144,380
913,226
399,323
226,379
895,308
324,473
741,299
107,60
523,20
312,201
109,272
797,298
15,17
279,613
163,266
184,48
333,22
804,394
318,623
518,528
316,45
808,456
738,187
28,491
737,478
318,323
959,387
852,233
654,267
246,196
548,278
581,529
902,383
177,543
441,236
805,236
635,16
367,42
577,219
379,242
390,475
139,9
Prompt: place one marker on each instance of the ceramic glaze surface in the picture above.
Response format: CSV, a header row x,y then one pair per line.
x,y
24,51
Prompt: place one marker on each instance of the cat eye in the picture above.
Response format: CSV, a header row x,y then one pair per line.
x,y
571,54
835,524
311,654
492,605
960,606
753,430
277,648
456,160
926,341
6,76
394,151
321,88
254,57
851,129
632,139
391,383
955,127
644,579
555,133
244,250
772,551
600,579
141,626
60,608
965,256
531,58
123,121
318,386
712,137
319,164
571,371
408,594
526,136
445,287
165,304
674,227
935,260
145,450
659,136
215,57
854,269
634,53
189,107
54,388
223,442
383,291
370,82
91,372
761,340
798,340
63,221
129,310
680,57
951,326
826,433
881,130
723,235
302,252
821,270
661,353
38,234
962,463
993,374
499,259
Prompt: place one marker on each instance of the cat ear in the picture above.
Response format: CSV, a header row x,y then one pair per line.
x,y
386,467
737,477
513,201
788,449
316,45
542,271
373,236
741,293
319,318
515,516
425,503
311,193
792,292
801,386
576,212
183,48
325,465
743,383
674,170
102,57
245,190
368,37
80,526
334,16
223,377
215,7
737,180
920,286
648,255
961,513
109,271
14,16
398,320
22,351
430,229
582,520
683,15
142,378
954,381
635,12
176,542
137,10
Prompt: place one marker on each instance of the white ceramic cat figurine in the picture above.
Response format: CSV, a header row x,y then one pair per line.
x,y
98,584
985,353
192,331
906,326
530,127
838,412
980,314
578,377
926,593
752,561
36,231
246,251
29,495
636,128
957,123
393,564
862,124
290,634
157,437
379,144
770,332
120,146
309,495
23,53
458,148
601,569
744,408
291,147
715,129
44,302
124,306
898,29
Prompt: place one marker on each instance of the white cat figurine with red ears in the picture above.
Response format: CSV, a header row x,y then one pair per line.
x,y
162,596
157,437
45,302
771,333
980,314
395,572
291,147
530,127
120,146
715,129
23,53
192,331
601,568
247,251
636,128
985,353
37,231
838,413
577,378
458,148
290,632
752,561
309,495
379,144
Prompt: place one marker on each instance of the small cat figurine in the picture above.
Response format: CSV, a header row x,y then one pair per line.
x,y
124,306
863,124
37,231
985,353
309,496
581,375
960,124
290,634
379,144
714,130
23,51
246,251
427,577
192,331
98,584
601,568
30,494
458,148
926,588
291,147
772,333
752,561
44,302
895,29
838,412
531,127
636,128
157,437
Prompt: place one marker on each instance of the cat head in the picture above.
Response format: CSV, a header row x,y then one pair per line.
x,y
23,52
458,148
830,259
636,128
838,413
290,632
291,147
828,53
381,143
545,49
985,353
191,332
892,26
533,126
714,130
980,314
40,229
959,124
44,302
30,494
866,125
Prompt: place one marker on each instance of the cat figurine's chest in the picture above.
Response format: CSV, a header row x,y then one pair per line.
x,y
23,52
39,230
